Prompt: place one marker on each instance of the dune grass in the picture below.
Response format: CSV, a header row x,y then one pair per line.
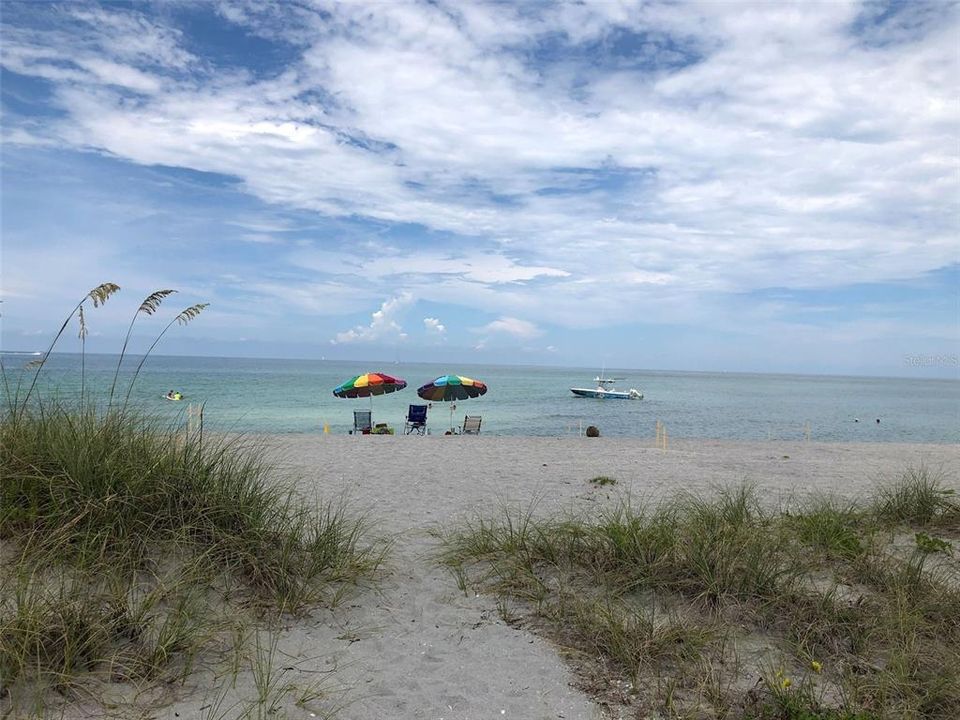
x,y
919,498
129,548
132,549
724,608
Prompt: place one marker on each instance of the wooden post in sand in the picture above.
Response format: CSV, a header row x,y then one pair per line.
x,y
661,435
194,418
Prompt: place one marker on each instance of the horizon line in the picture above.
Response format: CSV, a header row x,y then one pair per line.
x,y
505,365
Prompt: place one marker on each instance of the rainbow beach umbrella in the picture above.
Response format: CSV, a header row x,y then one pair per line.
x,y
368,385
449,388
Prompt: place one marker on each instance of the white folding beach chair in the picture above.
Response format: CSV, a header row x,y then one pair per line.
x,y
362,422
471,425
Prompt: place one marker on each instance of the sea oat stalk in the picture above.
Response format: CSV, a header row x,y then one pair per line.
x,y
99,295
182,319
148,307
83,351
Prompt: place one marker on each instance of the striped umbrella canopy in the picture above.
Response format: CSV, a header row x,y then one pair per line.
x,y
448,388
368,385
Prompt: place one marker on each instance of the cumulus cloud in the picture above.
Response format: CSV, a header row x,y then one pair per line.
x,y
383,324
434,326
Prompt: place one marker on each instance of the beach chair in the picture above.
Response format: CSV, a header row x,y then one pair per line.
x,y
416,421
471,425
362,422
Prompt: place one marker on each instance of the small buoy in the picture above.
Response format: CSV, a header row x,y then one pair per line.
x,y
878,421
856,419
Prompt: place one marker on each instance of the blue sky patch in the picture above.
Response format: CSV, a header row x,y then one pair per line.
x,y
740,187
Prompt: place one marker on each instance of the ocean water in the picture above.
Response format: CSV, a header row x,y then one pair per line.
x,y
295,396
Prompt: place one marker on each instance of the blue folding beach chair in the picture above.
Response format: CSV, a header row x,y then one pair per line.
x,y
416,421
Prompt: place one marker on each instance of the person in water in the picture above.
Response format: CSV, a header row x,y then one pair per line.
x,y
170,395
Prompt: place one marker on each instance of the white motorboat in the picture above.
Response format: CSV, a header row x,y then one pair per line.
x,y
605,391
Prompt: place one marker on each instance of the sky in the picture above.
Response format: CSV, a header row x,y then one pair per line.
x,y
757,187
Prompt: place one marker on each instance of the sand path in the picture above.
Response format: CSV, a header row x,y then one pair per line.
x,y
417,647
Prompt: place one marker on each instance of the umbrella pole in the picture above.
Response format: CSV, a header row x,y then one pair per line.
x,y
451,417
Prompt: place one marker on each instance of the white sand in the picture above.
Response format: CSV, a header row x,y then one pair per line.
x,y
417,647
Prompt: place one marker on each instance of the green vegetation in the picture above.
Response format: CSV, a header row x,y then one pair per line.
x,y
723,608
919,499
601,480
130,550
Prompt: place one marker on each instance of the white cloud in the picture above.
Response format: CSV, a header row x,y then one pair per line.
x,y
512,326
792,152
111,73
131,36
383,324
434,326
268,297
262,239
480,267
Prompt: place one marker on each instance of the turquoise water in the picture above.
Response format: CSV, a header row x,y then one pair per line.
x,y
295,396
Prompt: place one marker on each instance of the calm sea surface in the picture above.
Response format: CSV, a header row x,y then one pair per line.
x,y
295,396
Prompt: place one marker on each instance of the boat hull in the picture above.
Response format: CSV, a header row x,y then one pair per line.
x,y
605,394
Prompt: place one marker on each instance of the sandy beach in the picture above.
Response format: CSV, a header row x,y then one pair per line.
x,y
416,646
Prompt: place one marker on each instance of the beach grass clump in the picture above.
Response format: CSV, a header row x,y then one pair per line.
x,y
61,632
705,550
602,480
832,527
724,607
919,498
630,634
115,487
129,546
728,548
